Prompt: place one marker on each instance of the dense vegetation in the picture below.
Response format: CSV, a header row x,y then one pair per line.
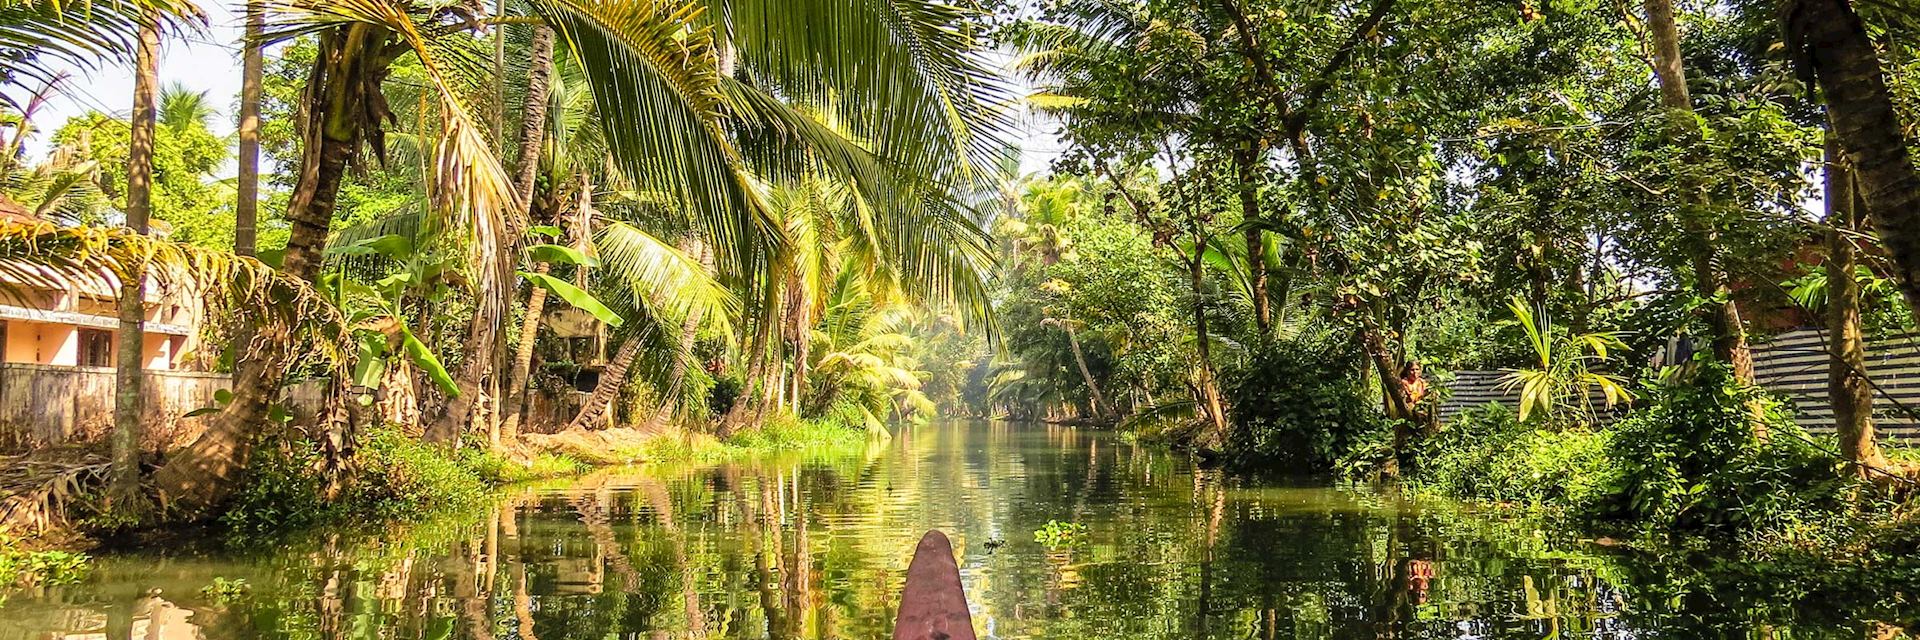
x,y
506,242
1280,228
1277,229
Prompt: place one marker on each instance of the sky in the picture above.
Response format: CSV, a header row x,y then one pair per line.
x,y
209,61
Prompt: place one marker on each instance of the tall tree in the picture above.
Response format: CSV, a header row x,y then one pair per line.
x,y
1832,45
533,125
1723,314
246,207
129,343
1848,388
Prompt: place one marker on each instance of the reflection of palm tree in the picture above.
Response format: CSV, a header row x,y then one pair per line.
x,y
662,502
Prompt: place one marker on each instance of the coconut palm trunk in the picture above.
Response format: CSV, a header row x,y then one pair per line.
x,y
342,102
246,208
1723,318
1848,388
607,389
1100,407
1208,384
1256,243
131,338
1841,55
533,126
689,331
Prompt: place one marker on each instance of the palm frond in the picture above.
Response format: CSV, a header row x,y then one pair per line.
x,y
908,75
42,256
39,37
658,277
655,74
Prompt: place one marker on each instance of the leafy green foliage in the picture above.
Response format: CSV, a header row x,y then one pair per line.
x,y
226,591
186,155
1056,534
1558,386
495,468
21,567
281,492
1489,454
1690,460
1301,404
405,478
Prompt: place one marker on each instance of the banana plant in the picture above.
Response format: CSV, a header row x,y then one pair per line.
x,y
1562,385
572,294
374,309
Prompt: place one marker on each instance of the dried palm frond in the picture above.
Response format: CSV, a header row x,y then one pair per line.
x,y
37,496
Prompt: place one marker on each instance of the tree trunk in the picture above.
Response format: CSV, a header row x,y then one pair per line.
x,y
533,127
1256,244
246,208
1861,108
1207,387
754,392
612,379
477,378
1100,408
689,331
1396,399
1723,319
342,102
799,332
130,342
1848,388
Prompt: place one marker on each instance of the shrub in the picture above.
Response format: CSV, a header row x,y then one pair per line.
x,y
401,477
1488,454
1690,461
281,491
1301,403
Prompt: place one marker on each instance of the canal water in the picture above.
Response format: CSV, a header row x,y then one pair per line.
x,y
816,544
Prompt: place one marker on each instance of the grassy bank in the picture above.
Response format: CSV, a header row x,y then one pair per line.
x,y
403,478
397,478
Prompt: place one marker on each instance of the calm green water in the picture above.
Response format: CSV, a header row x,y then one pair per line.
x,y
816,547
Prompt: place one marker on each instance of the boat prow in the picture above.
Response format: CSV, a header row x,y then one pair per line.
x,y
934,605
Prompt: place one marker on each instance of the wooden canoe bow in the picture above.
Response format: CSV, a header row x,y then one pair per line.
x,y
933,606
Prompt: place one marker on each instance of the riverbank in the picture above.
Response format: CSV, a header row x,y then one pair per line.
x,y
1712,506
797,545
398,479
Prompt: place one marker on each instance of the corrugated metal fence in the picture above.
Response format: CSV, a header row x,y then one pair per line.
x,y
1793,365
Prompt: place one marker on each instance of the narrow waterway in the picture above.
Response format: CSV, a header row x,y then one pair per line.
x,y
816,545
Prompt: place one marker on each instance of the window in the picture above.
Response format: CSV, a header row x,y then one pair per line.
x,y
96,348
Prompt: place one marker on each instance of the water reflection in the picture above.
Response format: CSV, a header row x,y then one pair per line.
x,y
816,546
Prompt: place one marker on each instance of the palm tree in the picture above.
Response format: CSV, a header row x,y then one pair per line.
x,y
130,342
864,356
917,87
246,207
182,109
1831,45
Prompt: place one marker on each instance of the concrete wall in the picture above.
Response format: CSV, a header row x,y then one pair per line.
x,y
43,405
